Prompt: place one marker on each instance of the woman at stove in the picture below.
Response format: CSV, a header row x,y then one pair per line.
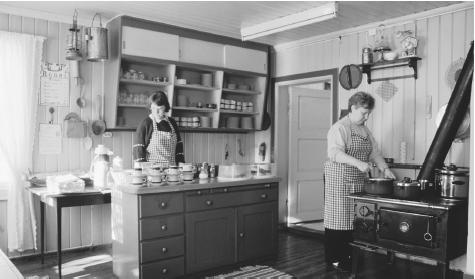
x,y
351,149
157,138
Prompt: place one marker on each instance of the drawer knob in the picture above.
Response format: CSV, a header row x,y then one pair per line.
x,y
266,185
241,235
163,204
209,203
198,193
164,250
225,190
264,196
164,227
164,271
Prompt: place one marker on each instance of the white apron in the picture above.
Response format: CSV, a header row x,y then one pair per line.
x,y
343,179
161,148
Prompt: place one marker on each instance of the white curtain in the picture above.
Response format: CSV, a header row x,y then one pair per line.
x,y
20,58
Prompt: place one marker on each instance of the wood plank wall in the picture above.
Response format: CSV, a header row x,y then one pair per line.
x,y
442,40
90,225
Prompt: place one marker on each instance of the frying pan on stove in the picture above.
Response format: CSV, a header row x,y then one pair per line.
x,y
350,76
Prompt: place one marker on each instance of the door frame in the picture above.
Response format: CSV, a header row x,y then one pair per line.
x,y
280,134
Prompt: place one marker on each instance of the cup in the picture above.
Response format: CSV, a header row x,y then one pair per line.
x,y
187,175
155,178
139,179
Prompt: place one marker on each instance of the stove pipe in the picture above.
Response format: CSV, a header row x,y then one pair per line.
x,y
453,117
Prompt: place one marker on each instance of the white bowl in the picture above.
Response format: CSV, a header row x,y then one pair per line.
x,y
389,55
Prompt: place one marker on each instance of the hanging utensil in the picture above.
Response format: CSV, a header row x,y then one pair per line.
x,y
266,119
51,111
81,101
99,126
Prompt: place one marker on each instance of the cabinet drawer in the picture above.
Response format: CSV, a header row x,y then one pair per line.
x,y
151,205
164,269
161,226
225,199
162,249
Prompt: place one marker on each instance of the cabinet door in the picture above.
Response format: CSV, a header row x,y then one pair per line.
x,y
257,230
210,239
201,52
245,59
146,43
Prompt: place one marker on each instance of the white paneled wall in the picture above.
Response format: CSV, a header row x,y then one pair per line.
x,y
90,225
442,40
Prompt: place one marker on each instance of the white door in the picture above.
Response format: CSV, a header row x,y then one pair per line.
x,y
310,120
146,43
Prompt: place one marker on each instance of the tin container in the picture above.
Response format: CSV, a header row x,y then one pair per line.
x,y
367,56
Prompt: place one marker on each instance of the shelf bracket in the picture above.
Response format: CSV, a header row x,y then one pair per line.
x,y
410,61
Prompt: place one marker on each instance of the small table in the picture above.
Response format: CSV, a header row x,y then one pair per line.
x,y
90,196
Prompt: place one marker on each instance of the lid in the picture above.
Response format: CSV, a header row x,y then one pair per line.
x,y
453,169
407,182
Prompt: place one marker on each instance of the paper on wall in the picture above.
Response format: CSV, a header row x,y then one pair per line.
x,y
54,89
50,139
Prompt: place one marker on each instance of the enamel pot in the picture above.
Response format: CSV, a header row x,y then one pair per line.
x,y
407,189
379,186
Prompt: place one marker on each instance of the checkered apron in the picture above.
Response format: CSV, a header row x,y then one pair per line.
x,y
161,148
343,179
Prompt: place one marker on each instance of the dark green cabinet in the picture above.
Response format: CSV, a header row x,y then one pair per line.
x,y
210,238
257,227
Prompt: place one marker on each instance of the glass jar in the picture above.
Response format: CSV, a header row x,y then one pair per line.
x,y
367,56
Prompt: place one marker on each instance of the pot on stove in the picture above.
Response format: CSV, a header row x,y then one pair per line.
x,y
379,186
407,189
452,182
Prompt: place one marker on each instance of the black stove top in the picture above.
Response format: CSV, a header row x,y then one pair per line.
x,y
427,200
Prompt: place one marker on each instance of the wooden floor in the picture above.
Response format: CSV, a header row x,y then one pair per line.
x,y
301,255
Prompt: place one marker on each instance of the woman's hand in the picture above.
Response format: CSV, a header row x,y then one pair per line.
x,y
388,174
363,166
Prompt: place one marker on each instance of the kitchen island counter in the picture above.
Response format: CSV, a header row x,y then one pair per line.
x,y
197,184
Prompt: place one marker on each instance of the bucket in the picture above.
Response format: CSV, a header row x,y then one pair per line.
x,y
96,40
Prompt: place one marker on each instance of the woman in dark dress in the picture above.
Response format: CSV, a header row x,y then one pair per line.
x,y
157,138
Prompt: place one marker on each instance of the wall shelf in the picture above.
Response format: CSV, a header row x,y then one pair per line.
x,y
143,82
239,91
196,87
227,111
411,62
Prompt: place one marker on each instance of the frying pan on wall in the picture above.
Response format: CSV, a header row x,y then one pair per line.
x,y
350,76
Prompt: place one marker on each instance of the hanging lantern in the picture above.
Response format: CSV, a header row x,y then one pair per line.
x,y
73,44
96,40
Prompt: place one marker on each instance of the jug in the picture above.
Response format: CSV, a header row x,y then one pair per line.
x,y
100,166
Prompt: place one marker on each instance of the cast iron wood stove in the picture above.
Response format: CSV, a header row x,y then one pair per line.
x,y
432,227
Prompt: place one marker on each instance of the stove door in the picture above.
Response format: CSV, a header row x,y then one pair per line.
x,y
407,227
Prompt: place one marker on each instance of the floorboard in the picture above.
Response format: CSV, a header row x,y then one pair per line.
x,y
301,255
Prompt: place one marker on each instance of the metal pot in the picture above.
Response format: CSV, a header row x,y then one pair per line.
x,y
379,186
452,182
407,189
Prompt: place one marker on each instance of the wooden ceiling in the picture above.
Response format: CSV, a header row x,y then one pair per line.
x,y
227,17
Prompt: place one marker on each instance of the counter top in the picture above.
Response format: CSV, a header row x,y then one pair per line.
x,y
195,185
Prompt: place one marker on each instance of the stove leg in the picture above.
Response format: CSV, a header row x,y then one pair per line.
x,y
355,258
390,257
444,268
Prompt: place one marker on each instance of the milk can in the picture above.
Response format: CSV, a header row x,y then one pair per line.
x,y
96,39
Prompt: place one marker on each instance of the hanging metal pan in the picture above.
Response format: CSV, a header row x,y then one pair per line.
x,y
350,76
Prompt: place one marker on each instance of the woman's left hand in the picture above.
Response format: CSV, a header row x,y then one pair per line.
x,y
389,174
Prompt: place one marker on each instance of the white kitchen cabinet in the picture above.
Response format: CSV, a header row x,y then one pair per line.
x,y
152,44
245,59
201,52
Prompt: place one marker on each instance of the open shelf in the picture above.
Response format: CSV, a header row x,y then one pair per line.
x,y
196,87
227,111
239,91
400,62
143,82
143,106
194,109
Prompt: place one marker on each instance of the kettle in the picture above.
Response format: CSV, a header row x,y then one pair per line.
x,y
100,166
